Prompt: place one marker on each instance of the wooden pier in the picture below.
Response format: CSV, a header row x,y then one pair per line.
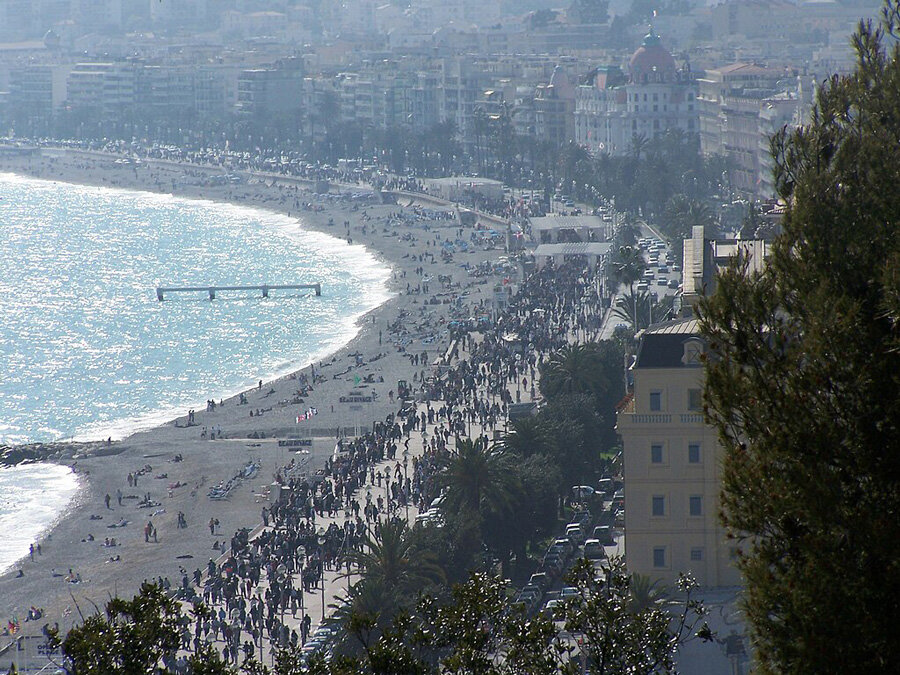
x,y
212,290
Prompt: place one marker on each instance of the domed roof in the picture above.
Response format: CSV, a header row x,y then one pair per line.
x,y
652,62
51,39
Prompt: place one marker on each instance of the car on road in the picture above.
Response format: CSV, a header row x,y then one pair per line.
x,y
603,533
552,608
662,282
663,269
568,592
673,283
540,579
553,561
565,544
575,532
593,549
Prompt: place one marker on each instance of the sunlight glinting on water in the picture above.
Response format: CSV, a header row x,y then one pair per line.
x,y
87,351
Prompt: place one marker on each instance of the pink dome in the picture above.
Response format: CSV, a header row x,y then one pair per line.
x,y
652,62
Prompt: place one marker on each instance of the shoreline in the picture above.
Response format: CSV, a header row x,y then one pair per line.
x,y
93,433
368,366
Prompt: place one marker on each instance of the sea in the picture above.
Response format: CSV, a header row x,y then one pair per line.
x,y
87,351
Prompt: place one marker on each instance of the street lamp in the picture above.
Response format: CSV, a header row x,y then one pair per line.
x,y
321,540
406,482
301,552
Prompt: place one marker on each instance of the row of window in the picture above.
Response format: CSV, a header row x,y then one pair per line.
x,y
661,555
671,125
694,400
693,453
665,108
665,96
658,506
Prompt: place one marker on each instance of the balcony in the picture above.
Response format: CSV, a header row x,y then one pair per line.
x,y
628,417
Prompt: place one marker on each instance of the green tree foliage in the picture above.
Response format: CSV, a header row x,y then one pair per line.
x,y
620,635
479,481
803,384
628,266
574,369
392,570
133,637
475,629
588,11
680,217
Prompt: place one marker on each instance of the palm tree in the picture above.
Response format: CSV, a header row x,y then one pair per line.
x,y
639,143
629,266
390,560
526,437
628,233
645,594
574,369
480,481
635,310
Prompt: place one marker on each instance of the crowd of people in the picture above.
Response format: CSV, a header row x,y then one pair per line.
x,y
257,589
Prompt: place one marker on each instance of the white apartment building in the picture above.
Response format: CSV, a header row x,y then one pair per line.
x,y
741,104
653,96
107,88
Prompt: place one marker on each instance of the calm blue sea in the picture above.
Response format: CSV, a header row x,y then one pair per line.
x,y
87,351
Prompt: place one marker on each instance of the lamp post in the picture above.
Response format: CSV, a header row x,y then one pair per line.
x,y
321,539
301,553
345,546
406,482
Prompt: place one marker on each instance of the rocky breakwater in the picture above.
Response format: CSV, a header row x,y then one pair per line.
x,y
60,451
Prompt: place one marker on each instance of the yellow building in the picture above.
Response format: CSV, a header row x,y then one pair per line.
x,y
672,464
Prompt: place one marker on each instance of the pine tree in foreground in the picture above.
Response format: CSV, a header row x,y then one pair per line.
x,y
803,383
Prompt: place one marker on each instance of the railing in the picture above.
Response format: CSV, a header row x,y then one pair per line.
x,y
651,419
660,418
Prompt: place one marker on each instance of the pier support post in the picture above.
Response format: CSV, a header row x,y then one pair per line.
x,y
159,294
265,291
212,293
318,289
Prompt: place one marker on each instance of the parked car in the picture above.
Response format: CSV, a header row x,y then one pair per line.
x,y
574,532
540,579
593,549
606,486
604,534
568,592
564,543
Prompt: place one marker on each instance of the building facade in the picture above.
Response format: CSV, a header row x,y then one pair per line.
x,y
672,464
651,98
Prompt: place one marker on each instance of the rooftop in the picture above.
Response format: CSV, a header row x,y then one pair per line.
x,y
557,222
584,248
663,345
